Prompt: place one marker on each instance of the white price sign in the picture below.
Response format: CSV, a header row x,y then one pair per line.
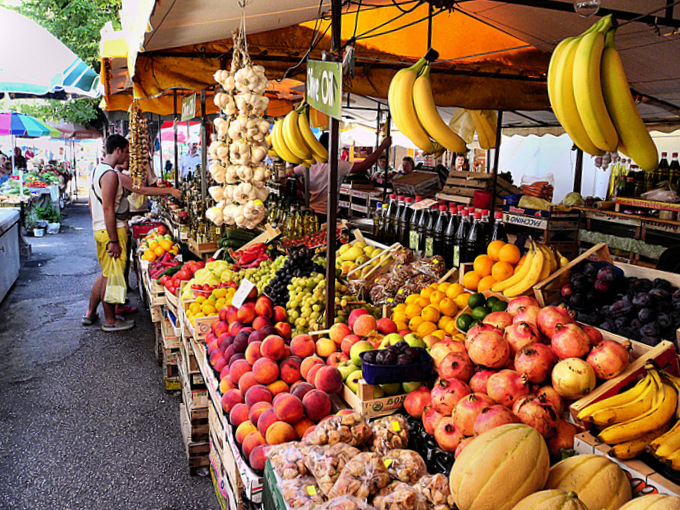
x,y
242,293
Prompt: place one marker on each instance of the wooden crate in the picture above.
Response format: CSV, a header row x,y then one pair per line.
x,y
172,302
158,342
156,313
195,399
252,482
155,292
363,401
170,340
197,452
201,250
466,201
172,384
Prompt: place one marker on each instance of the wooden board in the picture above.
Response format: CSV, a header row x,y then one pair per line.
x,y
363,402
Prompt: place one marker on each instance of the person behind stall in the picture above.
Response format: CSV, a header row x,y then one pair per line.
x,y
19,160
190,160
460,163
168,168
407,167
379,172
5,168
318,175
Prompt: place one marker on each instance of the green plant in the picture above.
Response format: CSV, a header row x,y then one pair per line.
x,y
31,219
49,214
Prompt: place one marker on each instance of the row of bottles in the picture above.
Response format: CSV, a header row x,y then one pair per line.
x,y
295,221
437,230
631,181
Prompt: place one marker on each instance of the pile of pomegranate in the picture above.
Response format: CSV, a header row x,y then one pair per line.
x,y
521,365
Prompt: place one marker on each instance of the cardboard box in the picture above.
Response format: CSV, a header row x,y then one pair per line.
x,y
416,183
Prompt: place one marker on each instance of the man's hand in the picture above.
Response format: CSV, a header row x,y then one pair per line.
x,y
386,142
175,193
114,250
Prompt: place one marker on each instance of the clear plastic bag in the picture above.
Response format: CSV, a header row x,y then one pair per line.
x,y
137,200
346,503
326,463
539,187
363,476
350,428
301,492
405,465
115,284
389,433
288,459
435,489
399,496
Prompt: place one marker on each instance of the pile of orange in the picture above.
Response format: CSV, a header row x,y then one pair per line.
x,y
499,263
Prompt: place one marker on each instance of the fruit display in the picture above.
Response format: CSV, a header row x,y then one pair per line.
x,y
299,263
234,238
139,146
155,245
250,257
166,265
173,279
479,307
293,140
591,98
351,256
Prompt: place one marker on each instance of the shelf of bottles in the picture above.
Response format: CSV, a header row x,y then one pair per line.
x,y
201,230
291,217
629,181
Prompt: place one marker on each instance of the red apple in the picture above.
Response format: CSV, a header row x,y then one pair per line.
x,y
386,326
336,358
354,314
348,342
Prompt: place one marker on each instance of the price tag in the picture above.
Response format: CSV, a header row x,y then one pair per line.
x,y
242,293
179,257
311,490
396,426
388,463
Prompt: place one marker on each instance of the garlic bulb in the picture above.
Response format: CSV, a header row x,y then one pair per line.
x,y
217,171
258,153
232,174
216,192
228,193
239,153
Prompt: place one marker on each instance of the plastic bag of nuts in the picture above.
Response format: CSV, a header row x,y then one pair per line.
x,y
346,503
302,491
350,428
405,465
362,476
327,462
399,496
435,489
389,433
288,459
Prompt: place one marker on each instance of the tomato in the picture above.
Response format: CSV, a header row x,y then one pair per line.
x,y
183,274
209,260
196,286
207,287
201,264
172,289
163,279
161,230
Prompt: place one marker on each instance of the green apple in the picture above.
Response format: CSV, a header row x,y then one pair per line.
x,y
346,368
378,392
358,348
391,389
391,339
353,379
410,386
414,340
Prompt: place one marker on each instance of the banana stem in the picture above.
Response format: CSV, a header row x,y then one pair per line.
x,y
425,71
609,38
418,65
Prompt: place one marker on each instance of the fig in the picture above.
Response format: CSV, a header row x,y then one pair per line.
x,y
660,294
370,356
607,325
664,321
621,322
649,340
641,299
645,315
660,283
650,329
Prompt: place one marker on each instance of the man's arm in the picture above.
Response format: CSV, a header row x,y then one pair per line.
x,y
372,158
109,186
152,191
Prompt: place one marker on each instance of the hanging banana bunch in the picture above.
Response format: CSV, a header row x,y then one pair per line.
x,y
293,140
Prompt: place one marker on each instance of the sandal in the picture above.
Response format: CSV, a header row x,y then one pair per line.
x,y
88,321
126,310
119,325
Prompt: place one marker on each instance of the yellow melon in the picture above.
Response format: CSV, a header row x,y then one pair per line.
x,y
653,502
499,468
599,482
551,500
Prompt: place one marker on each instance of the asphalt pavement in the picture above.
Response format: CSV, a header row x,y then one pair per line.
x,y
85,421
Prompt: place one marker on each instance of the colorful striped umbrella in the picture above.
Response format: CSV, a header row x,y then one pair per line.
x,y
19,124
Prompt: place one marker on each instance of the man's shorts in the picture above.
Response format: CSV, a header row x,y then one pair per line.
x,y
102,239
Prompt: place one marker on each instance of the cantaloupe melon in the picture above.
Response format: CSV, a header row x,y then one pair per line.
x,y
551,500
653,502
499,468
599,482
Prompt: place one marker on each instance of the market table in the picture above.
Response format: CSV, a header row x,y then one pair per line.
x,y
9,248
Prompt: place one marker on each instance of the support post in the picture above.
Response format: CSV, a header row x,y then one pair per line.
x,y
388,132
496,156
174,134
204,148
578,171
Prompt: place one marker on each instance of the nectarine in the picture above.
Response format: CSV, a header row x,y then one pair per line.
x,y
280,432
266,371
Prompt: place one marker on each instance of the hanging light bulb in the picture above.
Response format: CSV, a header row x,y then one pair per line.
x,y
586,8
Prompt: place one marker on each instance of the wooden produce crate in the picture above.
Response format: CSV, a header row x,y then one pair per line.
x,y
201,326
364,403
194,398
197,452
252,482
623,203
201,250
158,342
170,339
155,292
172,302
228,496
156,313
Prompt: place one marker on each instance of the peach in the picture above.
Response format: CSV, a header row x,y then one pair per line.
x,y
256,411
226,385
311,375
220,364
386,326
348,342
230,315
240,343
284,329
224,372
278,387
328,379
230,399
364,324
338,332
237,369
300,389
266,371
238,414
243,430
246,382
273,347
303,346
289,408
210,337
229,354
246,314
325,347
222,314
277,398
219,327
266,419
260,322
280,432
258,393
290,369
317,405
280,314
264,307
336,358
354,315
212,345
251,441
224,341
307,363
253,352
258,457
302,426
257,336
215,355
235,328
236,356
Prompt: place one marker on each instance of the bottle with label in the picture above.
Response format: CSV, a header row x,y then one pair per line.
x,y
460,239
475,242
486,224
391,211
405,221
439,229
427,236
498,231
675,171
421,228
450,234
382,227
413,239
401,201
664,168
376,220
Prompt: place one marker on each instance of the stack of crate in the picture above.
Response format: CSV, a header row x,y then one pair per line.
x,y
170,354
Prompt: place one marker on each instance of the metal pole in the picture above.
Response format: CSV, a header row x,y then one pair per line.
x,y
578,171
388,132
174,134
496,156
204,148
429,25
336,18
160,146
307,187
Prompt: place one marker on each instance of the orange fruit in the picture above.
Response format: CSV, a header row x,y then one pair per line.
x,y
430,314
401,326
483,265
443,321
451,328
426,292
462,300
166,245
440,333
426,328
443,287
509,253
153,245
448,307
471,280
494,248
455,290
399,316
422,302
159,251
415,322
502,271
413,310
413,298
436,297
485,283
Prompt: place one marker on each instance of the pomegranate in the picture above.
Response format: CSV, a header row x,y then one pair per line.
x,y
507,386
520,302
493,417
593,333
456,365
542,417
549,395
549,317
447,435
416,401
446,394
527,314
609,358
467,409
520,334
430,419
573,378
563,438
489,349
535,361
462,445
569,341
479,380
441,349
476,330
499,320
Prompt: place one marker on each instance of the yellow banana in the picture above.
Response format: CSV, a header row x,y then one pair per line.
x,y
621,107
554,264
482,132
674,460
530,279
318,150
588,89
400,99
429,117
616,400
665,445
633,448
555,59
547,263
629,410
272,153
293,138
661,412
280,144
519,274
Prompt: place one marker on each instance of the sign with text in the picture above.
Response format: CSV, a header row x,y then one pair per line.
x,y
189,107
241,294
324,87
